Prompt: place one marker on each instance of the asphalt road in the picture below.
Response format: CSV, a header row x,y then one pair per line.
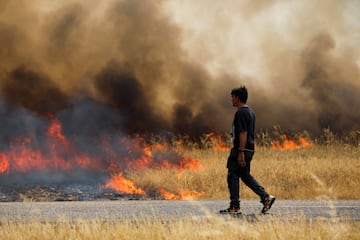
x,y
162,209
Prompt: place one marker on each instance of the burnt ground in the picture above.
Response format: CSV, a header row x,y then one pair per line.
x,y
53,192
79,185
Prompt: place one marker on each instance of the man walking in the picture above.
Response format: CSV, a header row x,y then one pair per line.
x,y
241,154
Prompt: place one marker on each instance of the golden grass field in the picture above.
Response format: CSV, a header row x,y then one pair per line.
x,y
325,172
188,228
316,172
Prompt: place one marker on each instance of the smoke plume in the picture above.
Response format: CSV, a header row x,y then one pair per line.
x,y
155,66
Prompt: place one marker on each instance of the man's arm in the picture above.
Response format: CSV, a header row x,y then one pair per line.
x,y
241,157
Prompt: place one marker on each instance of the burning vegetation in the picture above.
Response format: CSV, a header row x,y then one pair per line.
x,y
286,144
58,154
57,162
111,73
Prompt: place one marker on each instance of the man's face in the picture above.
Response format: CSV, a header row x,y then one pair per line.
x,y
235,100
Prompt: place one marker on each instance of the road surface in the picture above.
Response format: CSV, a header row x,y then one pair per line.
x,y
163,209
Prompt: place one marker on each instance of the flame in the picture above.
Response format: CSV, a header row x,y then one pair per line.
x,y
148,154
146,160
119,183
4,163
190,163
24,158
183,194
217,143
304,143
168,195
55,132
290,144
190,194
56,152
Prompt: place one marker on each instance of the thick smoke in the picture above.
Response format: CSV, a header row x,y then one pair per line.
x,y
333,83
152,66
33,91
300,60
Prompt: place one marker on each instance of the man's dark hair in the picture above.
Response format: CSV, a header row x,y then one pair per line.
x,y
240,92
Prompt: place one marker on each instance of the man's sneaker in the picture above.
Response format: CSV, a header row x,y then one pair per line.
x,y
267,202
231,210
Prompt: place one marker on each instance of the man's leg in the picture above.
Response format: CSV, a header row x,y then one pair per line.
x,y
233,185
234,189
266,199
249,180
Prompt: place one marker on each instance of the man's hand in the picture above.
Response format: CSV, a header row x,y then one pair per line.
x,y
241,159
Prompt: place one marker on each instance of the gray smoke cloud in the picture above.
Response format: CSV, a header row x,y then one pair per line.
x,y
153,66
333,84
300,60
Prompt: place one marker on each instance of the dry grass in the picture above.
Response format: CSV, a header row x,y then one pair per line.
x,y
189,228
330,172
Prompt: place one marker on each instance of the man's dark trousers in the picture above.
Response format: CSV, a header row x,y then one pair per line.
x,y
235,172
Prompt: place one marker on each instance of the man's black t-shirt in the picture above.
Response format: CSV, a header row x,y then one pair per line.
x,y
244,121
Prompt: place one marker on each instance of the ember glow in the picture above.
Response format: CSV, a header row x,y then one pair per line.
x,y
287,144
183,194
